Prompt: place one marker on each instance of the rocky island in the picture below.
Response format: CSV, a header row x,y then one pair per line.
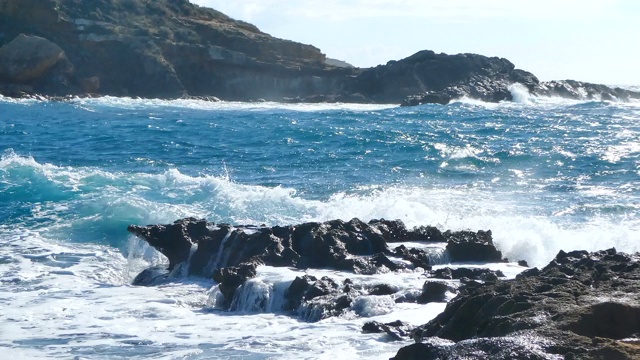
x,y
173,49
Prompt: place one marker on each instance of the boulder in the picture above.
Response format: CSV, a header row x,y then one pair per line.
x,y
397,330
467,246
28,58
433,291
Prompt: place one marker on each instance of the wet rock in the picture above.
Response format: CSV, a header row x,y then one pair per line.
x,y
230,255
352,246
579,90
231,278
383,289
397,330
588,314
496,348
433,291
172,240
523,263
417,257
467,246
469,273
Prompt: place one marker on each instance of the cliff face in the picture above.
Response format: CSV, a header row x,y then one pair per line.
x,y
172,48
167,48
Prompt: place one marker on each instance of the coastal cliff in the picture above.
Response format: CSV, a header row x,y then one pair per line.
x,y
171,49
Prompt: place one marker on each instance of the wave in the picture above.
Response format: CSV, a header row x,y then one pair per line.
x,y
521,97
92,205
195,104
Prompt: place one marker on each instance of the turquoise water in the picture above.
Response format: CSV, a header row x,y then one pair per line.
x,y
543,175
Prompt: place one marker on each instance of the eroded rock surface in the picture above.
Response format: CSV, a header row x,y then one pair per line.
x,y
231,254
581,306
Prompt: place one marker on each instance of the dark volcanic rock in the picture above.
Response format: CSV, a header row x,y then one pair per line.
x,y
353,246
469,273
441,77
581,306
230,255
230,279
417,257
467,246
397,330
433,291
579,90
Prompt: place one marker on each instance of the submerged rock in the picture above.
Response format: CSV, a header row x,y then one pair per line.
x,y
581,306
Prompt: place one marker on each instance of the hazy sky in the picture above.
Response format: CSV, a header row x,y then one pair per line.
x,y
589,40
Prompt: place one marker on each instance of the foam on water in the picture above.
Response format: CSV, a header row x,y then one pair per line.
x,y
87,204
542,174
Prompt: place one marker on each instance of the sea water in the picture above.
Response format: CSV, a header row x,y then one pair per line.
x,y
542,174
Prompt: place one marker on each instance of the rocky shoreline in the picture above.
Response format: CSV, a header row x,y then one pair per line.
x,y
580,306
172,49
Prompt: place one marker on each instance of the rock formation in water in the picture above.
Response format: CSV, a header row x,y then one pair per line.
x,y
581,306
230,255
172,48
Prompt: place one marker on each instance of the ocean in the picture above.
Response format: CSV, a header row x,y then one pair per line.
x,y
543,174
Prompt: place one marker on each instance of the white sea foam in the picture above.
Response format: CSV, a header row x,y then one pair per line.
x,y
131,103
111,201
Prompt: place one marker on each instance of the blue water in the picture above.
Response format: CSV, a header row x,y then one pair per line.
x,y
543,175
573,160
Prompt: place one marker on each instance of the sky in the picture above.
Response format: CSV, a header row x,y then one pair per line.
x,y
588,40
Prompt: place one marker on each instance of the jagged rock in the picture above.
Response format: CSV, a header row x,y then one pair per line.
x,y
581,306
307,245
230,255
579,90
467,246
417,257
172,240
496,348
397,330
442,76
433,291
470,273
316,299
231,278
383,289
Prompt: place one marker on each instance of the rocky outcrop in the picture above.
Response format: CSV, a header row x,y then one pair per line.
x,y
231,254
167,48
427,77
32,64
581,306
579,90
172,48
